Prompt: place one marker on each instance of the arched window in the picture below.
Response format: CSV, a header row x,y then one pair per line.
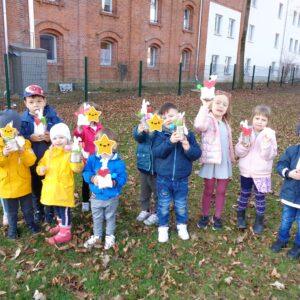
x,y
185,59
152,56
49,42
106,53
187,18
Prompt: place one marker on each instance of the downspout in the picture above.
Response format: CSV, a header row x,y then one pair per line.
x,y
5,26
198,39
31,24
284,30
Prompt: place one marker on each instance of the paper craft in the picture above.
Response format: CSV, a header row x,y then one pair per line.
x,y
155,123
8,132
104,145
104,178
92,114
76,150
40,122
10,138
246,133
145,113
82,119
208,90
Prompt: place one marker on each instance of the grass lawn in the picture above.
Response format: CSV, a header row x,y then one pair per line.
x,y
229,264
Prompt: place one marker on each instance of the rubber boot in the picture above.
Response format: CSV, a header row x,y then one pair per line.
x,y
258,226
63,236
241,219
55,230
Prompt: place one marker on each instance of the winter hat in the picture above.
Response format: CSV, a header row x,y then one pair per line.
x,y
33,90
298,129
9,115
60,129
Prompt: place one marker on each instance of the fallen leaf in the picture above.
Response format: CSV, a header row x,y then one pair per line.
x,y
275,274
105,261
278,285
38,296
2,293
18,251
228,280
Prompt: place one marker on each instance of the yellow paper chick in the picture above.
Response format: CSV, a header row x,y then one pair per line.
x,y
93,114
104,145
8,132
155,123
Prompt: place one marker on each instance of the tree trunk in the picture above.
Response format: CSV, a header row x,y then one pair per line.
x,y
243,46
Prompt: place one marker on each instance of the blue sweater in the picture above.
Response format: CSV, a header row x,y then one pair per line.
x,y
117,169
290,190
27,129
144,155
171,160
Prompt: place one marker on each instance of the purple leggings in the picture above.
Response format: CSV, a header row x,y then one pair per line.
x,y
209,186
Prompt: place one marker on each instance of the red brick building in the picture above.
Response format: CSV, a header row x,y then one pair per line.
x,y
115,35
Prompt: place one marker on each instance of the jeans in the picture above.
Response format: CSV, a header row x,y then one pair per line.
x,y
289,215
148,187
12,206
104,209
167,190
64,214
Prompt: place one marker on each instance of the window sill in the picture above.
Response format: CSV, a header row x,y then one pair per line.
x,y
187,30
55,2
109,14
230,37
152,23
108,66
217,34
152,68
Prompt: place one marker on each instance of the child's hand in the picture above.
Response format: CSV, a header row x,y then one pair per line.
x,y
175,138
94,180
43,170
7,150
47,136
205,103
141,128
185,144
21,149
294,174
36,137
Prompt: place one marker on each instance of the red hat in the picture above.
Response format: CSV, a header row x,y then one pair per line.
x,y
33,90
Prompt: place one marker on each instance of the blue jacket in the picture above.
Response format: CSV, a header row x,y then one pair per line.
x,y
27,129
144,155
117,169
290,190
170,158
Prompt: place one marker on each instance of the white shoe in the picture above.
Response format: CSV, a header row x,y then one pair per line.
x,y
182,232
85,206
143,215
5,220
152,220
109,241
92,241
163,235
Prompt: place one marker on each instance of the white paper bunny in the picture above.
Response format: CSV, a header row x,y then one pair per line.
x,y
39,125
76,150
103,176
208,91
144,107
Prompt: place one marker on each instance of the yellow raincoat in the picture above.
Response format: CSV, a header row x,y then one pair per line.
x,y
58,185
15,177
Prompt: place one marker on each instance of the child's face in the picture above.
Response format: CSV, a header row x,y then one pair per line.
x,y
34,103
169,117
59,141
219,106
259,122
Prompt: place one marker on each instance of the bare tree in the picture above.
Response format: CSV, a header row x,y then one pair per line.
x,y
243,45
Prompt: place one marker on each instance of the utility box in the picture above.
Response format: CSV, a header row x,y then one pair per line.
x,y
28,66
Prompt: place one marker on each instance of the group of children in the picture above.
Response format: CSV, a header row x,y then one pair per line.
x,y
38,174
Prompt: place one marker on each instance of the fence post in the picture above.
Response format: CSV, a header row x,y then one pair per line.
x,y
233,77
293,75
85,78
281,79
269,76
252,81
140,78
210,68
7,81
179,82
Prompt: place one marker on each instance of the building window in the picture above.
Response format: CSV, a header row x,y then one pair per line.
x,y
48,42
107,6
273,67
248,66
187,25
214,61
294,17
154,11
253,3
298,20
276,40
231,28
250,33
218,23
296,46
280,7
291,45
152,57
185,59
227,66
106,53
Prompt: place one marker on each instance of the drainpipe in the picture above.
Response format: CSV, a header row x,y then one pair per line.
x,y
198,39
31,24
284,31
5,26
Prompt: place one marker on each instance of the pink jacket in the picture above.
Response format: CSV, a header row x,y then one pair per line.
x,y
88,137
256,161
207,124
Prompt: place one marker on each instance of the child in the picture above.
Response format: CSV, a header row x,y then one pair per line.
x,y
37,121
145,164
288,167
255,163
217,154
58,185
173,158
87,134
15,183
104,198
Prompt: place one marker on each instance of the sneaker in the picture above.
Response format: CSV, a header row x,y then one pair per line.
x,y
5,220
39,217
217,225
92,241
294,253
109,241
35,229
85,206
163,235
203,222
152,220
278,245
182,232
143,215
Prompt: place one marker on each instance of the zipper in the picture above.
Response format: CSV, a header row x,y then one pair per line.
x,y
174,163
